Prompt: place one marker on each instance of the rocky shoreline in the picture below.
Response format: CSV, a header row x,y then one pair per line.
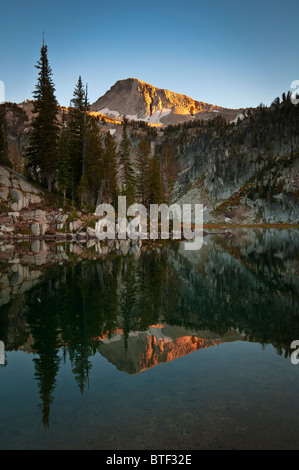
x,y
44,225
27,215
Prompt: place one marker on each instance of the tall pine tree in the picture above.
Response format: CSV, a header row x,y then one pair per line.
x,y
42,150
94,160
76,130
143,167
78,99
126,168
64,165
110,166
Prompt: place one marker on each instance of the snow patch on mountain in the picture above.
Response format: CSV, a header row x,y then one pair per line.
x,y
239,117
155,118
107,111
152,119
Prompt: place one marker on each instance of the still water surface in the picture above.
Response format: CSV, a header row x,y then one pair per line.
x,y
158,348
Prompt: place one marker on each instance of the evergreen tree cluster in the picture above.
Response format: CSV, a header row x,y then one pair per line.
x,y
75,159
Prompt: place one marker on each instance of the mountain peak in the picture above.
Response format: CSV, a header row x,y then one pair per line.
x,y
137,100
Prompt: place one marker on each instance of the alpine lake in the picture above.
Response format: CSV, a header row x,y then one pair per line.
x,y
150,346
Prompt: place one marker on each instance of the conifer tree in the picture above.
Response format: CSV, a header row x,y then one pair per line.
x,y
126,167
110,168
143,167
76,130
64,165
78,99
42,150
94,160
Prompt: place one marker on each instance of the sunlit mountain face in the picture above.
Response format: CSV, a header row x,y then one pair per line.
x,y
140,101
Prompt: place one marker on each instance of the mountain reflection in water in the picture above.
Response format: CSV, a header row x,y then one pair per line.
x,y
158,344
141,311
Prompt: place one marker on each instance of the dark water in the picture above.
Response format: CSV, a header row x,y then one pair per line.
x,y
156,349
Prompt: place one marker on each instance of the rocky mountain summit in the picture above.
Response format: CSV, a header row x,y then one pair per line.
x,y
140,101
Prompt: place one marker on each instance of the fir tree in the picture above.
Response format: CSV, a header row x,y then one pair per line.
x,y
110,167
64,166
143,168
94,160
42,149
77,132
126,169
78,99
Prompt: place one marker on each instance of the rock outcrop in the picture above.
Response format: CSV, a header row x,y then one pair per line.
x,y
247,173
16,192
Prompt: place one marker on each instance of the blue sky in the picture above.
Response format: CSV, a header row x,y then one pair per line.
x,y
229,53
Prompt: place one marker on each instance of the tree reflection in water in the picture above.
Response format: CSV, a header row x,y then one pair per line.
x,y
247,284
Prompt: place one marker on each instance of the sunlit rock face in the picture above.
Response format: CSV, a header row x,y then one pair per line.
x,y
137,100
157,345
